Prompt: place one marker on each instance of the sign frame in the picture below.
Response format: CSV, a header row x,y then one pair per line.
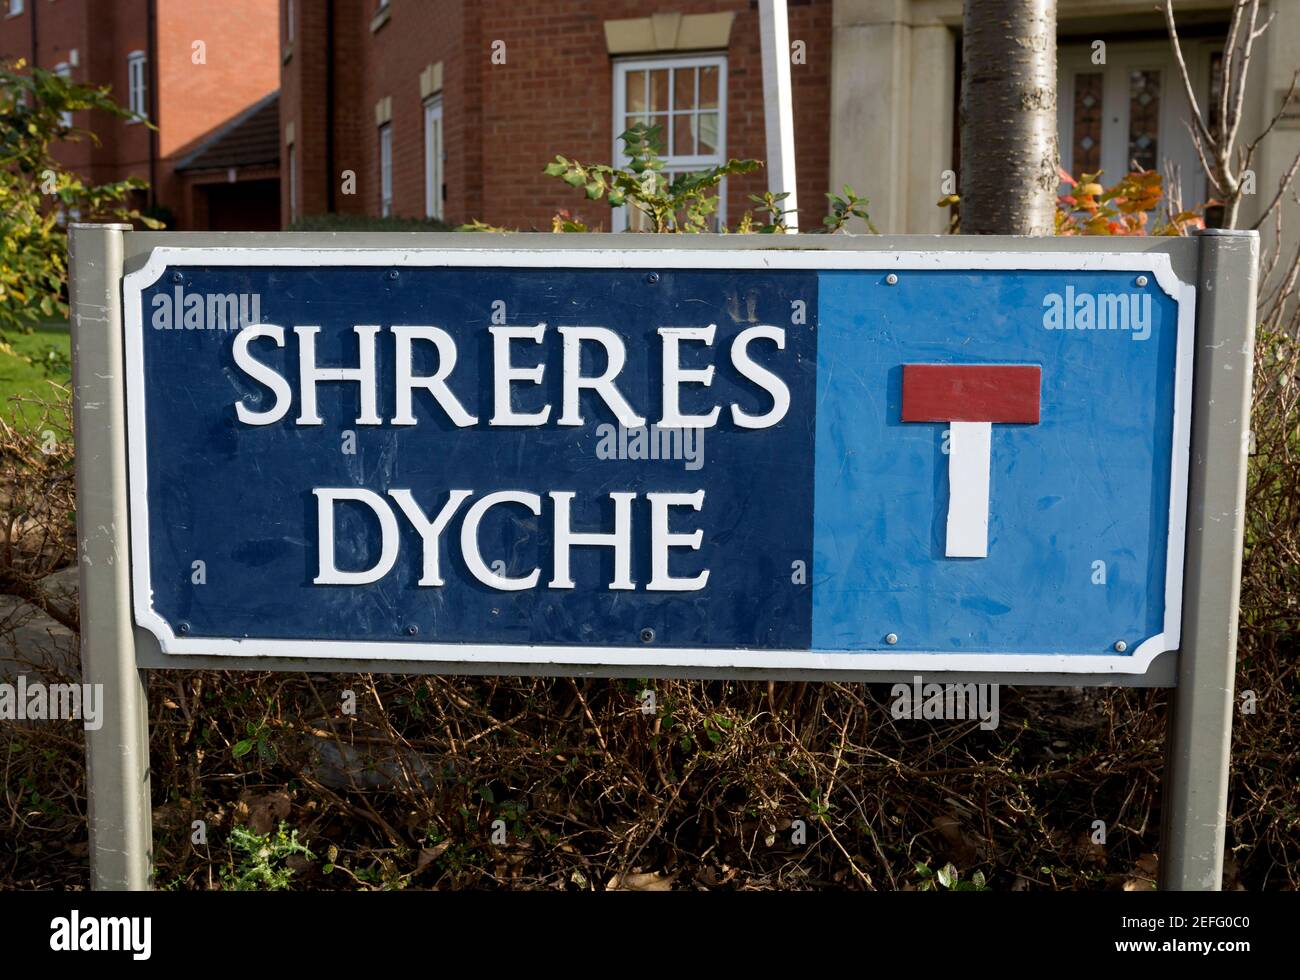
x,y
1155,264
116,652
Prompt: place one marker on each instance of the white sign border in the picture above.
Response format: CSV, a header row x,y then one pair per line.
x,y
1157,264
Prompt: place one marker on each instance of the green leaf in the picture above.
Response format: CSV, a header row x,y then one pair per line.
x,y
242,748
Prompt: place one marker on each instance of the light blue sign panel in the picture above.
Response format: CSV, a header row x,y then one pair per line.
x,y
793,459
1078,514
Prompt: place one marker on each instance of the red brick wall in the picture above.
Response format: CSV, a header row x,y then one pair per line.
x,y
116,29
64,28
242,50
303,104
241,64
190,100
419,33
555,95
503,123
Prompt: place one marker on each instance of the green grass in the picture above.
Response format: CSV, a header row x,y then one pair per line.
x,y
49,346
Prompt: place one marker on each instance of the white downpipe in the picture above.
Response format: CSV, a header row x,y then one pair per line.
x,y
778,107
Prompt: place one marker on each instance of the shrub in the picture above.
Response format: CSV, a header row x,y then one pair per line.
x,y
262,859
38,194
365,222
683,202
1135,205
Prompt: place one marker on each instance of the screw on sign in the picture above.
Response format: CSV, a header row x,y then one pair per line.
x,y
970,397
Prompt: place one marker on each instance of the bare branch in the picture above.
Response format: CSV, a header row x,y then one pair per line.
x,y
1264,27
1282,186
1269,257
1228,69
1209,168
1277,116
1173,187
1198,120
1273,298
1240,71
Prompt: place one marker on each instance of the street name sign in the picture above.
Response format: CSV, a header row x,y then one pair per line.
x,y
722,458
998,460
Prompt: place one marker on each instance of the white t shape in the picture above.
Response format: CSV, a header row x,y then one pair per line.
x,y
969,461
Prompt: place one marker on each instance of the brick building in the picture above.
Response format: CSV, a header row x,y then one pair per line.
x,y
190,66
500,86
451,109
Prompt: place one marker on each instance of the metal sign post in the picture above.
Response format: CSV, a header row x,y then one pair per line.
x,y
853,458
1199,737
117,754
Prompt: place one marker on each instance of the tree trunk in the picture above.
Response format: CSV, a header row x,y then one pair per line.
x,y
1008,118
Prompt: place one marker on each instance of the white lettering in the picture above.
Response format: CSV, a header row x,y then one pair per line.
x,y
260,372
661,540
675,376
761,376
309,374
504,373
329,573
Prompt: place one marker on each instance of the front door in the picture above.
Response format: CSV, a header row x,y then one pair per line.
x,y
1132,111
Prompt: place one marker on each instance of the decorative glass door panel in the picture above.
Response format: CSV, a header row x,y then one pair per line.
x,y
1132,110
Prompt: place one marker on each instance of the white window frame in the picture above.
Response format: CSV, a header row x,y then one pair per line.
x,y
386,169
63,70
672,164
137,84
434,155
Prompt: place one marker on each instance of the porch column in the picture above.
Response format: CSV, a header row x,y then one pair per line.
x,y
930,126
870,89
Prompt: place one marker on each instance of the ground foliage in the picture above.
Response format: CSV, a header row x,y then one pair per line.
x,y
707,791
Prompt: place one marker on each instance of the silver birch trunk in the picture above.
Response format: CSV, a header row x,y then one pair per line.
x,y
1008,118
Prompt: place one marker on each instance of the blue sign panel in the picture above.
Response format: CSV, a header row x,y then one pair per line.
x,y
732,458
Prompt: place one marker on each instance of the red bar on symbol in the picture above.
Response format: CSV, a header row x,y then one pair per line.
x,y
971,392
